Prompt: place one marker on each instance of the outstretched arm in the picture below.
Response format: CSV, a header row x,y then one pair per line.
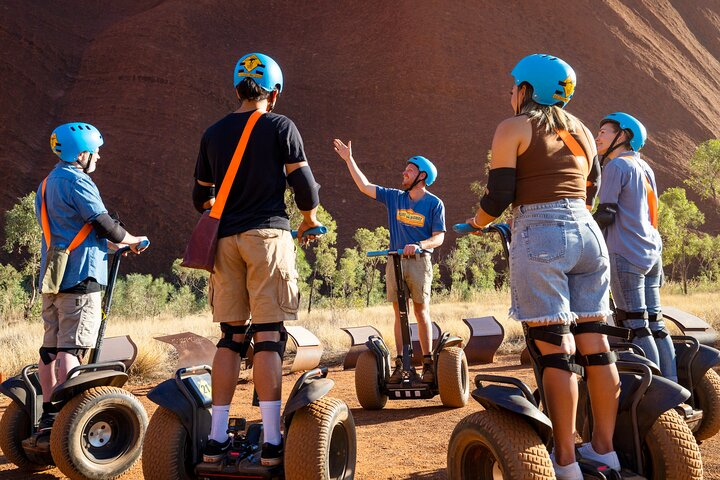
x,y
345,152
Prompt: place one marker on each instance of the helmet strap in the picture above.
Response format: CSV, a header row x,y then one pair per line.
x,y
416,181
87,164
613,146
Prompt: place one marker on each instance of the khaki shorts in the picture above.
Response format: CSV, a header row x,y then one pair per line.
x,y
417,273
255,278
72,320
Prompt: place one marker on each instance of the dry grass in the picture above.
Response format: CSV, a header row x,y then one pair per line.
x,y
156,359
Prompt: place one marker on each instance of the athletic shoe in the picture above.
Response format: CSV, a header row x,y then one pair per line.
x,y
46,422
428,373
397,374
272,455
610,459
215,451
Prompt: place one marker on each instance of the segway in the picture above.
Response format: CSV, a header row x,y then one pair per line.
x,y
319,431
373,365
695,363
512,437
99,429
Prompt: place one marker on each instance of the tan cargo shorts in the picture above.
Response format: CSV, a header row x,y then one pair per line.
x,y
417,273
72,320
255,278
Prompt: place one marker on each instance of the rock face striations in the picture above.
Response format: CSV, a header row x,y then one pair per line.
x,y
398,78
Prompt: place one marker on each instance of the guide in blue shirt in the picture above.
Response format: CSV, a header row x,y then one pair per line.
x,y
416,219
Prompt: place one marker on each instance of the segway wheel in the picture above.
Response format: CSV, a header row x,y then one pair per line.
x,y
167,448
497,444
367,382
98,434
452,377
672,452
707,399
321,442
14,428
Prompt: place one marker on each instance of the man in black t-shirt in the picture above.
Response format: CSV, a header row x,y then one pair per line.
x,y
255,279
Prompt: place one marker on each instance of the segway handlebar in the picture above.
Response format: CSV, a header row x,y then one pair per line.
x,y
321,230
503,229
385,253
107,299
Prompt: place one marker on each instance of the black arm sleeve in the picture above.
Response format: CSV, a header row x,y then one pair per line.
x,y
108,228
593,182
202,194
306,189
500,191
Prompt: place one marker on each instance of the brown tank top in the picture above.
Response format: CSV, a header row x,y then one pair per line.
x,y
548,171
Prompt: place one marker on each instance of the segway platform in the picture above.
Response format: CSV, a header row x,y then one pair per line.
x,y
409,390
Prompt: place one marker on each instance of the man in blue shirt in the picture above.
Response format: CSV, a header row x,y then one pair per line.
x,y
73,218
416,220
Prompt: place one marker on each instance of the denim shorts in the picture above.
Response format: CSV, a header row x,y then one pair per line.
x,y
559,267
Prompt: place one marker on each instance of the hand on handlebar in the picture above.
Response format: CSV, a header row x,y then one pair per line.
x,y
140,245
411,249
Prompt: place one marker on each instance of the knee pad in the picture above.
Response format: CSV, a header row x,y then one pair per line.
x,y
660,332
622,315
226,341
78,352
602,328
551,334
48,354
271,346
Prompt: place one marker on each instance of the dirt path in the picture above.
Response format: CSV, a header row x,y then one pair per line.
x,y
406,440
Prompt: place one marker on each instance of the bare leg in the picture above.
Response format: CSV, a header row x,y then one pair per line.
x,y
65,362
422,316
225,372
267,369
561,394
604,388
48,379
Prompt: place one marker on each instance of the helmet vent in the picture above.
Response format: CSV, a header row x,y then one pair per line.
x,y
72,128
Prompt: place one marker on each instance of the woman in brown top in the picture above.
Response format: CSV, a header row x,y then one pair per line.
x,y
559,266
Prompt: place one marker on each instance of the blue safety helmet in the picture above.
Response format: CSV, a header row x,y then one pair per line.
x,y
261,68
425,165
628,122
71,139
552,79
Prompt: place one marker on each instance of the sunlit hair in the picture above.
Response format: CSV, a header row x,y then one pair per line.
x,y
550,117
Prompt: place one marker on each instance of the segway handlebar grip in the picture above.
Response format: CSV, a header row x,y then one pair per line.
x,y
321,230
465,228
385,253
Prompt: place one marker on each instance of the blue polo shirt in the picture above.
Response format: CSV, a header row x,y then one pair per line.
x,y
631,235
72,199
411,221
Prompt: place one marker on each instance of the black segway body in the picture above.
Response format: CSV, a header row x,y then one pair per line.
x,y
117,448
410,387
187,399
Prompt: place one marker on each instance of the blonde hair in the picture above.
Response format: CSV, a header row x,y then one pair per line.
x,y
549,117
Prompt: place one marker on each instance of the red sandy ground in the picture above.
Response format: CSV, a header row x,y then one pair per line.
x,y
405,440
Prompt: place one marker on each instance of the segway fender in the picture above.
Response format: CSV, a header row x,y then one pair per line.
x,y
312,390
76,385
168,395
15,389
452,342
626,356
706,358
511,398
660,396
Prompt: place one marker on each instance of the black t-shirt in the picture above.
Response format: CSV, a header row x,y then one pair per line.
x,y
256,199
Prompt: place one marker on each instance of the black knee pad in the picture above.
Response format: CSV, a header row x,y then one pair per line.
x,y
602,328
226,341
78,352
551,334
595,359
271,346
48,354
622,315
660,333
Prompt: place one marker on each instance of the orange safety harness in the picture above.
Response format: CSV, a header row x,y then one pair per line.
x,y
79,238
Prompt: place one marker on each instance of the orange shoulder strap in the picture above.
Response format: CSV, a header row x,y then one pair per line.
x,y
221,198
575,148
650,196
79,237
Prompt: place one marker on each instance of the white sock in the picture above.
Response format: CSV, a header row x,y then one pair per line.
x,y
566,472
220,417
270,412
610,459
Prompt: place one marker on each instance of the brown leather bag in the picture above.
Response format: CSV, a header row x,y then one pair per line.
x,y
200,251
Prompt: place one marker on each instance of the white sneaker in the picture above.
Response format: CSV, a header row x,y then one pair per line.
x,y
610,459
566,472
